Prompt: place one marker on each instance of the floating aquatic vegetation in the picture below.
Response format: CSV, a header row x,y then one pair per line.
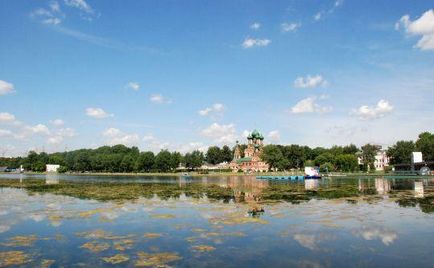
x,y
123,244
116,259
198,230
89,213
95,234
47,263
162,216
203,248
101,234
192,239
156,259
8,258
237,219
21,241
96,247
152,235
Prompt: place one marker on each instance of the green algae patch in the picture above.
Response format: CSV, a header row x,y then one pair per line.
x,y
198,230
21,241
123,244
116,259
101,234
237,220
47,263
156,259
163,216
152,235
95,247
9,258
203,248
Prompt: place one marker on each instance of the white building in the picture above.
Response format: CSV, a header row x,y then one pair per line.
x,y
52,168
381,160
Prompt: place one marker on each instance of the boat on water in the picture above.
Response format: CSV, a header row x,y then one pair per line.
x,y
312,173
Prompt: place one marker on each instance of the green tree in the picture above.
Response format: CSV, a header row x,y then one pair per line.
x,y
214,155
425,144
163,161
400,153
350,149
369,152
346,162
176,160
324,158
272,155
194,159
227,154
145,162
295,155
127,164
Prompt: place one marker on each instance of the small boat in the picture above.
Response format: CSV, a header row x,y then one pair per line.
x,y
312,173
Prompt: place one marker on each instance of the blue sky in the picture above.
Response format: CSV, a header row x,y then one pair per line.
x,y
184,75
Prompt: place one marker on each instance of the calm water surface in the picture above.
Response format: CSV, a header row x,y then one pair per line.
x,y
85,221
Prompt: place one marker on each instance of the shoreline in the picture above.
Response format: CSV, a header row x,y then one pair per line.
x,y
218,174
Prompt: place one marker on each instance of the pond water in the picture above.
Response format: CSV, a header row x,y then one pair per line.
x,y
99,221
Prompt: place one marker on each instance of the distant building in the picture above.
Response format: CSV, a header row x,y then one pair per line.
x,y
381,160
251,162
52,168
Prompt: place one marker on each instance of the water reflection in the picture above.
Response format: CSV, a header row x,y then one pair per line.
x,y
382,186
418,189
311,184
206,222
52,179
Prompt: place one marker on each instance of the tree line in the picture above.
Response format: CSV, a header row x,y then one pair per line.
x,y
120,158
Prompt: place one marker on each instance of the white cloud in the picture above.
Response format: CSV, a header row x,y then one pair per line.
x,y
250,43
365,112
80,4
377,232
66,132
155,144
309,105
5,133
158,98
223,134
54,6
6,87
59,135
310,81
111,132
290,27
57,122
133,85
97,113
7,117
322,13
255,26
38,129
55,140
116,136
423,26
51,16
192,146
216,109
274,136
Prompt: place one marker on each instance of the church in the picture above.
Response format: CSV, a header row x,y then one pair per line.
x,y
251,162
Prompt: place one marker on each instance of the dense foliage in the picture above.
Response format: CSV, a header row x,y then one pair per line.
x,y
120,158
